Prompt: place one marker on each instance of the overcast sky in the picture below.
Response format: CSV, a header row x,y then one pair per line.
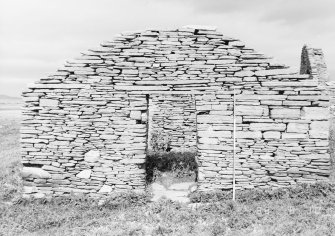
x,y
38,36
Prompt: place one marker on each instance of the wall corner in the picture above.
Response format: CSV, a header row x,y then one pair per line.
x,y
313,63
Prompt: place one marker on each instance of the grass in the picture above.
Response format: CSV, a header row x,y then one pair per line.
x,y
9,142
315,216
10,181
307,210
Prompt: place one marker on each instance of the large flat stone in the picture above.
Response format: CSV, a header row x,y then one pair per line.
x,y
285,113
207,140
249,134
267,126
52,168
274,72
138,87
218,134
217,119
297,128
34,172
319,129
251,110
245,73
57,86
271,135
315,113
294,136
290,84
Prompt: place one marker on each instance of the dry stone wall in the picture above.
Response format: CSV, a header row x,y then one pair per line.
x,y
87,126
92,144
281,139
313,63
174,118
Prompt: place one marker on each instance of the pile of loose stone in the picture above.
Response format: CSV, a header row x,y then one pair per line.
x,y
86,126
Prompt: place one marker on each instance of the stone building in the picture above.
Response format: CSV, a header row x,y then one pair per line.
x,y
87,127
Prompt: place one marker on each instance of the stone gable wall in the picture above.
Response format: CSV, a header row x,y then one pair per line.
x,y
86,127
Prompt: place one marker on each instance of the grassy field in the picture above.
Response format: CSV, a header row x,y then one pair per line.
x,y
310,211
9,150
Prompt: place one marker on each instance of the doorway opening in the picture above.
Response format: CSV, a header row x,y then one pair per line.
x,y
171,162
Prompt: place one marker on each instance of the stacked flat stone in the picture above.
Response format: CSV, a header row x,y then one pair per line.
x,y
313,63
86,127
280,140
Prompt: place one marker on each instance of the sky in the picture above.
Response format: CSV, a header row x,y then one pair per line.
x,y
38,36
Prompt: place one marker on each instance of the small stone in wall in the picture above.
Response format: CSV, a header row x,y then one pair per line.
x,y
246,73
207,140
106,189
271,135
136,115
85,174
39,195
30,189
201,175
92,156
144,116
49,102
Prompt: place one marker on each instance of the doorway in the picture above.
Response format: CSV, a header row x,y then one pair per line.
x,y
171,166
